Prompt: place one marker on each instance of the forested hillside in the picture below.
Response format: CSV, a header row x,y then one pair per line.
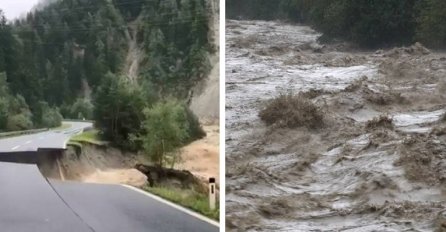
x,y
368,23
103,60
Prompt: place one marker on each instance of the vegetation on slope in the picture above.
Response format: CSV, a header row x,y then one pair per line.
x,y
91,136
68,58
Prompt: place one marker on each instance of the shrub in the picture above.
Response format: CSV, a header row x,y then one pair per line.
x,y
81,109
19,122
195,130
51,118
291,111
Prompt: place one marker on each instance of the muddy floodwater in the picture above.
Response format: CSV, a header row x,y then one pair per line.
x,y
343,176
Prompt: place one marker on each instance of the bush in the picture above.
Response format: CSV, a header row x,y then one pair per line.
x,y
81,109
19,122
195,131
51,118
291,111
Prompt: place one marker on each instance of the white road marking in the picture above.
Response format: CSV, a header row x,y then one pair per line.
x,y
199,216
15,148
41,137
28,142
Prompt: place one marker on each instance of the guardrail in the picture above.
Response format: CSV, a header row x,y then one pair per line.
x,y
24,132
33,131
77,120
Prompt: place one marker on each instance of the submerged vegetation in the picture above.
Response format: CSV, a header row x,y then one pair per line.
x,y
288,110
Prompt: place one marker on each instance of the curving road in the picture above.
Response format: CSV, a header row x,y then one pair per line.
x,y
29,202
54,139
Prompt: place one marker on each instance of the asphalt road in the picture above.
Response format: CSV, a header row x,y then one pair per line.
x,y
55,139
115,208
29,202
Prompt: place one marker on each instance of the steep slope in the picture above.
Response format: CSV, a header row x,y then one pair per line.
x,y
206,97
62,51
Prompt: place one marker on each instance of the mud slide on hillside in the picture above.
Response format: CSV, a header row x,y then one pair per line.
x,y
206,95
135,51
355,173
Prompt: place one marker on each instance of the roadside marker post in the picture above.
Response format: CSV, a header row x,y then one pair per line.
x,y
212,194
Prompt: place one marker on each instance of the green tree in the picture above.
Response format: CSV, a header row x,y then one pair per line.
x,y
167,129
118,110
46,116
167,126
51,118
81,109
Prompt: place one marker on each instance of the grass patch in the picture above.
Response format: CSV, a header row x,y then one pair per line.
x,y
187,198
288,110
91,136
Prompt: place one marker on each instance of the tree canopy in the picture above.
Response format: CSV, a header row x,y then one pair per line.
x,y
369,23
68,58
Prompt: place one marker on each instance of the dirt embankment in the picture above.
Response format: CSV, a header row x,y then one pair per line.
x,y
106,165
377,162
95,164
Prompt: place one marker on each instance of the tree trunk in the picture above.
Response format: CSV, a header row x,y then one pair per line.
x,y
157,175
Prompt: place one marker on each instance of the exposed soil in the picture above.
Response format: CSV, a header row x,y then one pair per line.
x,y
106,165
202,157
377,164
135,52
95,164
205,102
